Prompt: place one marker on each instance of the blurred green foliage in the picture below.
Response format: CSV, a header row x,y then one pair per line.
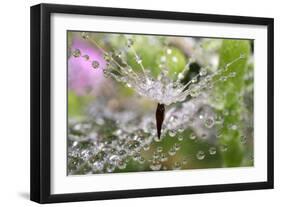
x,y
231,99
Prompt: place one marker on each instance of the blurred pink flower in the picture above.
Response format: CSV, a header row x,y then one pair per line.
x,y
82,77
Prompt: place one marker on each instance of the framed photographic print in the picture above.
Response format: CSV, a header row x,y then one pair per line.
x,y
132,103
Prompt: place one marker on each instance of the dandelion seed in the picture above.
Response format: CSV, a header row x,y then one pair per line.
x,y
162,89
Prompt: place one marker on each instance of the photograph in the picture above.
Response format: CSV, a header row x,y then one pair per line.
x,y
149,102
129,103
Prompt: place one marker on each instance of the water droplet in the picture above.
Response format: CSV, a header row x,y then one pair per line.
x,y
184,161
74,144
117,54
107,57
110,168
136,156
180,76
163,157
146,147
201,116
208,78
180,138
130,42
194,80
138,59
209,122
212,150
200,155
181,128
159,149
194,92
86,57
172,151
210,85
169,51
76,53
177,166
173,118
232,74
233,127
117,132
128,85
100,121
218,98
174,59
156,139
223,148
226,113
97,166
106,73
204,136
177,146
122,152
192,136
121,164
172,133
114,159
85,35
251,158
223,78
219,134
163,59
218,119
155,165
141,160
95,64
203,72
243,139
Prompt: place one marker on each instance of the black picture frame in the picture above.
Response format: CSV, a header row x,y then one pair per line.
x,y
41,99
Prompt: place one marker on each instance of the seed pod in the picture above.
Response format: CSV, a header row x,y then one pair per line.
x,y
160,114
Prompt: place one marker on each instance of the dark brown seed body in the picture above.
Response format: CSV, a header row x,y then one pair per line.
x,y
160,115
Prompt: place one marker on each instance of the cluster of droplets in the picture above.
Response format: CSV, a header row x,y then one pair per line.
x,y
162,89
108,140
92,153
77,53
